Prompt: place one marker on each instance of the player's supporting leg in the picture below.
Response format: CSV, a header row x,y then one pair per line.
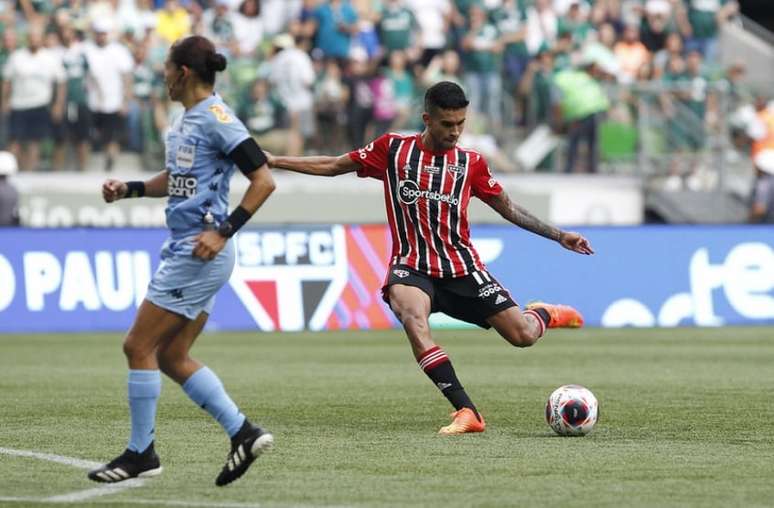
x,y
204,387
151,326
411,305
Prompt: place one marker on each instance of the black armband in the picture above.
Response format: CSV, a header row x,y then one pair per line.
x,y
135,189
248,156
233,222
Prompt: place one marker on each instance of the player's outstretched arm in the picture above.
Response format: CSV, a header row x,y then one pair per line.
x,y
518,215
155,187
321,165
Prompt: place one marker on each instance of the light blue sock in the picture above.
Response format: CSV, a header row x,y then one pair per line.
x,y
207,391
144,391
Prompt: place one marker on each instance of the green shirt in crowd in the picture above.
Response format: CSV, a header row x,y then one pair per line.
x,y
76,67
701,14
481,58
396,27
509,21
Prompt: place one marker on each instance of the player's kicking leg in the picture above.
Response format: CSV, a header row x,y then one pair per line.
x,y
522,329
412,307
204,387
151,326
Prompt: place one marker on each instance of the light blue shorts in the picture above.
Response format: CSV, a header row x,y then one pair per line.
x,y
185,284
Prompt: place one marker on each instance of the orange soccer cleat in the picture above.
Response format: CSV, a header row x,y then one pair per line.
x,y
562,316
464,421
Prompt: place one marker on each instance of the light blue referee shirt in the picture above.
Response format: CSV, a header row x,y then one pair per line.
x,y
197,146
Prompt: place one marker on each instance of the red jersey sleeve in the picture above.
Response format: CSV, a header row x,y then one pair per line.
x,y
372,158
483,184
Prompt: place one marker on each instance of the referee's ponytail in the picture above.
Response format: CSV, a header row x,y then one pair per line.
x,y
198,54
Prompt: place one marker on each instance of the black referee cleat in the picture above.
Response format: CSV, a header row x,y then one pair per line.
x,y
128,465
246,446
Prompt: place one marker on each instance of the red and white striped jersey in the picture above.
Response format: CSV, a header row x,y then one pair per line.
x,y
427,195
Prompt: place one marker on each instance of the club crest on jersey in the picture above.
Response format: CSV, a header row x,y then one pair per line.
x,y
220,114
455,170
401,273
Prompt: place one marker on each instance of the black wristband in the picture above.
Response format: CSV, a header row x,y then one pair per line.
x,y
135,189
233,222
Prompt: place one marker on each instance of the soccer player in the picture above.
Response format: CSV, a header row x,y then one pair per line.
x,y
203,147
428,181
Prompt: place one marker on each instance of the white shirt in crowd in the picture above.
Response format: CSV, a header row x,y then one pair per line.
x,y
105,86
431,17
542,27
292,75
32,77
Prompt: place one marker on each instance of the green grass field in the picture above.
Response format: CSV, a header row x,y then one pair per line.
x,y
686,420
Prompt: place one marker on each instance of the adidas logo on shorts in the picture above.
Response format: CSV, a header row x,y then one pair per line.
x,y
500,299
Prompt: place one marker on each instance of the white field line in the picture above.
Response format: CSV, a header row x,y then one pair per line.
x,y
67,461
83,495
78,495
152,502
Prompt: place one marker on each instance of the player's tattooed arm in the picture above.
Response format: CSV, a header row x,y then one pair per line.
x,y
518,215
321,165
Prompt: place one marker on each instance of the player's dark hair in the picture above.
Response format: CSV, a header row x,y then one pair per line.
x,y
198,54
445,95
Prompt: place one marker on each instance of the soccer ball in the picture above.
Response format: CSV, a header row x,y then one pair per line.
x,y
572,410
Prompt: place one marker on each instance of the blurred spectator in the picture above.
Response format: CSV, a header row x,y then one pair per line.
x,y
218,24
263,116
660,18
575,22
443,67
361,99
403,88
397,23
109,89
385,109
31,76
482,47
336,22
366,35
9,196
139,116
73,129
673,47
510,20
542,26
631,54
173,22
433,18
248,26
331,97
292,76
579,101
761,131
706,17
9,45
535,87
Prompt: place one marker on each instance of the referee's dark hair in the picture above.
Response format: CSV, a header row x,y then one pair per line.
x,y
445,95
198,54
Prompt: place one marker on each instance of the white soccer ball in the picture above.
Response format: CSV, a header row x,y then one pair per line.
x,y
572,410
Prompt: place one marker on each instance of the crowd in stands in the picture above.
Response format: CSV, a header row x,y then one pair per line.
x,y
326,75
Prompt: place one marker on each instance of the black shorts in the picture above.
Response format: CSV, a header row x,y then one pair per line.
x,y
75,126
472,298
109,126
32,124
